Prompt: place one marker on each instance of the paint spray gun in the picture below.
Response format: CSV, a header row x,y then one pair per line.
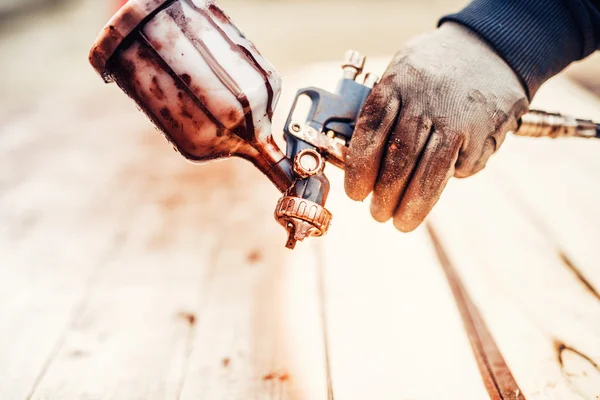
x,y
212,94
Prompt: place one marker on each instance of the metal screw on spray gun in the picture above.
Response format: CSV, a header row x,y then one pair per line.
x,y
308,163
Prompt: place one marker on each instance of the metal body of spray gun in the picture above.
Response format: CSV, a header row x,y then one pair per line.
x,y
212,94
322,137
327,131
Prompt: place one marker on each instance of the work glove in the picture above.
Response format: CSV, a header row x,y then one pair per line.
x,y
442,108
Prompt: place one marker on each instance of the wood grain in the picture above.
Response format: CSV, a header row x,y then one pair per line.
x,y
393,328
527,296
496,374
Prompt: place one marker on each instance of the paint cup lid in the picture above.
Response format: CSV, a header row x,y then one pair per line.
x,y
133,14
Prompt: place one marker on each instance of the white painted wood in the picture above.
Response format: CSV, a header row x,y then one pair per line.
x,y
58,227
142,241
261,331
512,264
527,296
394,331
131,337
559,187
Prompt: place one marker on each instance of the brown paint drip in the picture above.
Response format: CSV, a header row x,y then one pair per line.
x,y
497,378
584,281
255,256
176,119
188,317
124,73
124,76
219,14
176,13
238,48
561,348
156,89
182,82
544,229
265,76
270,377
283,377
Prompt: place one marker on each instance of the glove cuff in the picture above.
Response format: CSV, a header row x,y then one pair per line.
x,y
538,39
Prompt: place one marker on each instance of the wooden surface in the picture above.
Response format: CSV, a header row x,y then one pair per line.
x,y
127,273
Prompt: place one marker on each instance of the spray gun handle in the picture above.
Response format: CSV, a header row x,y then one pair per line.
x,y
323,136
330,123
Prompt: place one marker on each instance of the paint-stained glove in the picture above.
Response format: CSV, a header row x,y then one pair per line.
x,y
443,107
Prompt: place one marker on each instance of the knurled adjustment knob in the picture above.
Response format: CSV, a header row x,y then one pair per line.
x,y
307,163
302,218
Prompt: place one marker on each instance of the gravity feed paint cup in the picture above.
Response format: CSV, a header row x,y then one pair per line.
x,y
198,78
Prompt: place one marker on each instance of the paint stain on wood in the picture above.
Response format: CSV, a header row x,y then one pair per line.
x,y
545,230
78,354
172,201
497,377
255,256
284,377
561,348
577,272
190,318
270,377
281,377
580,370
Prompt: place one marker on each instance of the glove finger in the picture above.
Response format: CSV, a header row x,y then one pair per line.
x,y
403,151
470,165
435,169
470,162
377,119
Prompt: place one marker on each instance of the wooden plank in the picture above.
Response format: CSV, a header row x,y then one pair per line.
x,y
125,273
158,243
131,337
558,191
541,194
558,194
532,303
261,330
497,377
188,233
393,327
51,194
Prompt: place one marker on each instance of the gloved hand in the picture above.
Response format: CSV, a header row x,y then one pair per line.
x,y
443,107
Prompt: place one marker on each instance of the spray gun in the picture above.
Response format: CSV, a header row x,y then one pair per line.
x,y
322,137
326,133
212,94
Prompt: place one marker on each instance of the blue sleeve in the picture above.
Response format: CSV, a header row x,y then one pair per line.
x,y
537,38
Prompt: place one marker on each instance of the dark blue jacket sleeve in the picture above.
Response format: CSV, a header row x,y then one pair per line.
x,y
537,38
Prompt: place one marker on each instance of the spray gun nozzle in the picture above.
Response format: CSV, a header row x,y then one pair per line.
x,y
301,218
